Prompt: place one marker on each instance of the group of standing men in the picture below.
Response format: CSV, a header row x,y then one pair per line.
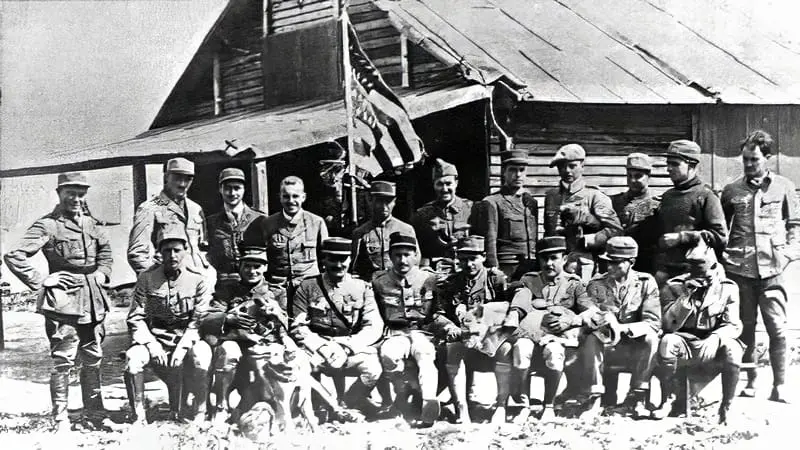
x,y
658,284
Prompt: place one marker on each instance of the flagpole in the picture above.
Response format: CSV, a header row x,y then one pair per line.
x,y
348,101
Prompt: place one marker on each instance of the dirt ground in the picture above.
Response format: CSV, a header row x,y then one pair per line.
x,y
24,419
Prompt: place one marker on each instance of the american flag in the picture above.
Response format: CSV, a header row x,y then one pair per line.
x,y
384,138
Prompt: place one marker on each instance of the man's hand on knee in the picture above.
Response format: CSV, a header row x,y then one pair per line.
x,y
334,354
708,348
157,354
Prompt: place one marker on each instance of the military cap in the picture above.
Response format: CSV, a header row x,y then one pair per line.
x,y
72,179
471,244
639,161
514,157
253,253
569,152
180,165
620,247
400,239
382,189
170,233
551,244
336,246
231,173
684,149
442,168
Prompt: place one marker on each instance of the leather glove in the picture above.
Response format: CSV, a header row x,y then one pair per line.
x,y
239,321
63,280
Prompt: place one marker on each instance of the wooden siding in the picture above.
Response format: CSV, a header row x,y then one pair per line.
x,y
240,58
291,15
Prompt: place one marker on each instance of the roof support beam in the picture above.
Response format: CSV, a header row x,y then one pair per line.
x,y
217,75
258,185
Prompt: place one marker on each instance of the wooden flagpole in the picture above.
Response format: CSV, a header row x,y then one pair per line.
x,y
348,101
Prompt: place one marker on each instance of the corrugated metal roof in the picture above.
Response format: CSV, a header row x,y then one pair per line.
x,y
611,51
266,133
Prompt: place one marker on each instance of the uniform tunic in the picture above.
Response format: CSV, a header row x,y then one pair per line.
x,y
406,302
293,245
435,225
509,225
371,246
459,293
154,215
225,235
637,214
244,298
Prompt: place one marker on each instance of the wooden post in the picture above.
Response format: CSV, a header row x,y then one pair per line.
x,y
337,7
266,23
259,186
405,64
348,101
4,291
217,75
139,184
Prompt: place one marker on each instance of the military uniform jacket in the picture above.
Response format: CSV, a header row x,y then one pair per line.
x,y
635,300
638,216
509,225
238,298
345,312
407,302
598,221
293,245
459,293
160,212
435,224
224,237
371,246
711,308
75,246
566,290
163,310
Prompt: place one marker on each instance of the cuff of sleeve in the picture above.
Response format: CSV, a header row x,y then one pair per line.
x,y
689,237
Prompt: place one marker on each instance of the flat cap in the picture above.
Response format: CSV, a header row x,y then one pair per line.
x,y
514,157
170,233
569,152
180,165
231,173
471,244
685,149
383,189
442,168
400,239
72,179
551,244
620,247
253,253
336,246
639,161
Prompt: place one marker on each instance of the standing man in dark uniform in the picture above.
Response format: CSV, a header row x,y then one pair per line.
x,y
73,297
226,229
440,223
371,240
636,209
509,219
168,208
689,211
582,214
764,215
293,237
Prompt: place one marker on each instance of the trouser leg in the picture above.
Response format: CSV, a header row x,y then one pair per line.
x,y
554,355
591,359
136,358
195,378
521,369
729,357
90,339
773,310
672,349
226,361
368,367
457,389
749,292
645,351
424,353
64,342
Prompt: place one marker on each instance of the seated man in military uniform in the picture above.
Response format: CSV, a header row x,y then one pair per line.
x,y
335,318
546,314
626,328
235,322
460,294
405,297
169,301
701,324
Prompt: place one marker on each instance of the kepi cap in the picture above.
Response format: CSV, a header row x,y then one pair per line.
x,y
231,173
551,244
685,149
514,157
170,233
383,189
253,253
180,165
336,246
620,247
639,161
399,239
442,168
72,179
471,244
569,152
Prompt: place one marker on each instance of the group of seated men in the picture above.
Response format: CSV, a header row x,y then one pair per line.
x,y
393,328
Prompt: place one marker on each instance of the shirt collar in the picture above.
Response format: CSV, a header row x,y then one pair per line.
x,y
293,220
385,222
237,211
573,187
757,182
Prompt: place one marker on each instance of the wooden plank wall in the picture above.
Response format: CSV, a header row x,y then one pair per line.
x,y
607,132
290,15
240,59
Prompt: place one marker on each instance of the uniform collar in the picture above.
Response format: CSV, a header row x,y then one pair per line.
x,y
758,182
572,188
237,212
690,183
293,220
454,206
384,223
337,283
505,190
645,193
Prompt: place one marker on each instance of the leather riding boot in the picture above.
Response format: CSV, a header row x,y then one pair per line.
x,y
134,384
357,397
429,412
730,378
59,389
172,378
91,390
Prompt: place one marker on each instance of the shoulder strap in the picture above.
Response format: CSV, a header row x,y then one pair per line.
x,y
336,311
